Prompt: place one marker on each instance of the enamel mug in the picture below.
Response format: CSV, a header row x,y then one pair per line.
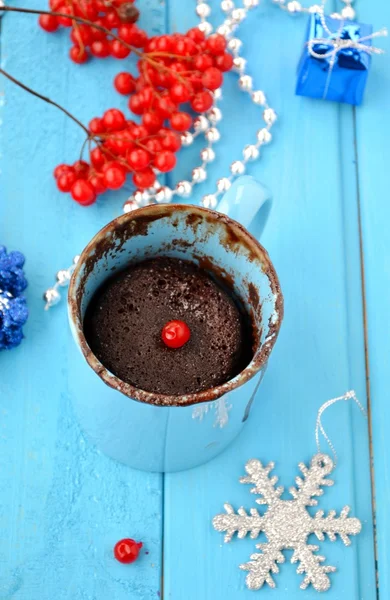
x,y
165,433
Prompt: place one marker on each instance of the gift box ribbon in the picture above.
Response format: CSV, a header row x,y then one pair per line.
x,y
333,46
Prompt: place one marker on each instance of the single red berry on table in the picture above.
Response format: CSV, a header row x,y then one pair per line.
x,y
127,550
48,23
165,161
83,192
124,83
175,334
144,179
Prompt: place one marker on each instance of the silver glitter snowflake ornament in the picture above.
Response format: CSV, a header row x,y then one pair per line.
x,y
287,524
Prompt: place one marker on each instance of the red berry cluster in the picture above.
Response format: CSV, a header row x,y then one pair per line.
x,y
177,75
122,147
175,70
118,16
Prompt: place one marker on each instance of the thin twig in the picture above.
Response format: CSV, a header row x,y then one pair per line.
x,y
45,99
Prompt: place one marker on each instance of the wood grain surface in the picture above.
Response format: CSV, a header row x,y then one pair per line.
x,y
62,504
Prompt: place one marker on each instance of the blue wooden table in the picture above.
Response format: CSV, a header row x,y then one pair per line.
x,y
63,505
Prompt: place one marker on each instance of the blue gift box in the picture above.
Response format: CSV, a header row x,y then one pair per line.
x,y
339,76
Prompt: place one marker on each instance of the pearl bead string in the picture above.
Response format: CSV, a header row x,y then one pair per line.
x,y
204,124
294,7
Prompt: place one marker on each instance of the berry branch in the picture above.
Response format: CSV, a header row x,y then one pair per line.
x,y
178,73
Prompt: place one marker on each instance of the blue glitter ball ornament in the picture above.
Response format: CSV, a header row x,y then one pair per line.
x,y
13,315
13,307
12,277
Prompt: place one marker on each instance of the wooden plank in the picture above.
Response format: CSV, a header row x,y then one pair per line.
x,y
62,504
373,130
313,239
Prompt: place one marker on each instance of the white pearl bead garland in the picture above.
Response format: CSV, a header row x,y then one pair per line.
x,y
294,7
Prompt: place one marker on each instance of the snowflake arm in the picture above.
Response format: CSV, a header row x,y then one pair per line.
x,y
264,484
310,564
262,565
331,525
314,477
242,523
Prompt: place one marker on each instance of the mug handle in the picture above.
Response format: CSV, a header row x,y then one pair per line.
x,y
248,202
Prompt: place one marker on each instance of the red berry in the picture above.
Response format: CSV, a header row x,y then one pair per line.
x,y
131,34
64,21
97,34
119,50
179,93
81,35
111,19
127,551
201,102
171,141
114,120
203,62
83,192
139,132
55,4
114,176
97,158
165,106
78,55
144,179
224,62
152,121
125,32
196,35
216,44
96,126
139,159
88,10
66,180
124,83
212,78
97,182
48,23
81,168
164,43
181,121
175,334
165,161
153,145
136,104
61,169
100,48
